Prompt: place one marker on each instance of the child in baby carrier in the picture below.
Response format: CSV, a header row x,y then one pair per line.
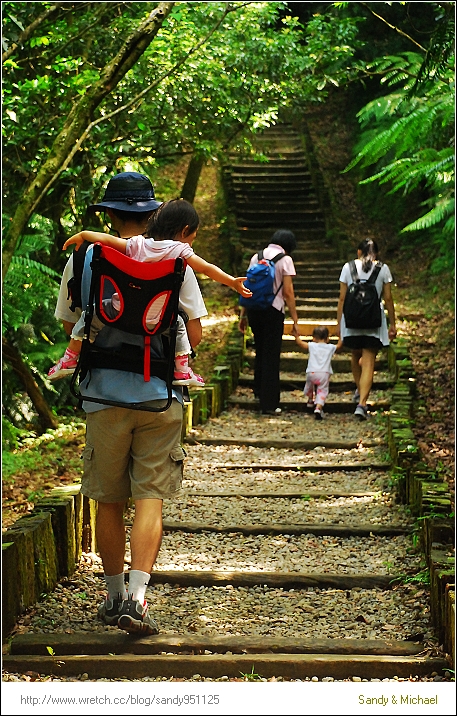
x,y
174,226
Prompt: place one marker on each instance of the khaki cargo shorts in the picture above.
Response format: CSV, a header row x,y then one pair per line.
x,y
133,453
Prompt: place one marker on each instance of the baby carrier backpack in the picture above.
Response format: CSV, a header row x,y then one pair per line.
x,y
362,305
140,287
259,279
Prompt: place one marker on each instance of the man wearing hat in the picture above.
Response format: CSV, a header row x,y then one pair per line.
x,y
128,452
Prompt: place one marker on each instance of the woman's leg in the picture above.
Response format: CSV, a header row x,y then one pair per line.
x,y
366,374
356,355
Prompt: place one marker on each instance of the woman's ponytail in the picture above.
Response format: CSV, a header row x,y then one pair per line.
x,y
369,250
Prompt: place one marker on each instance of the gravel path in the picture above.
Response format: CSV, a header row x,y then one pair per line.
x,y
377,510
398,613
320,613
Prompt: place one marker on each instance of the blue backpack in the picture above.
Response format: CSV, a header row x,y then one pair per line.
x,y
259,279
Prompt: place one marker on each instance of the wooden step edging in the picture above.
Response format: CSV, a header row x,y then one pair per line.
x,y
320,529
275,580
295,666
119,642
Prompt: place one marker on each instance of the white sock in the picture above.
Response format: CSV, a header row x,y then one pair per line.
x,y
116,585
138,582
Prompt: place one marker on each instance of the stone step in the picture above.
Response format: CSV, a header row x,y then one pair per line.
x,y
261,237
270,223
316,312
295,177
307,327
332,405
293,362
298,161
337,384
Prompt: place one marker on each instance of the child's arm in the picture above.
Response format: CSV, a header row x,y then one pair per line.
x,y
303,345
96,236
214,272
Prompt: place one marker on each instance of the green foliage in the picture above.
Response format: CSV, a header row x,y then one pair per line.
x,y
408,136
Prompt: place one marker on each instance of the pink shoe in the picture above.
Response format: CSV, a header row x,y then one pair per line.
x,y
62,368
189,378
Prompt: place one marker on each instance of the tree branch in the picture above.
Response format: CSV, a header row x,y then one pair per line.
x,y
393,27
138,97
14,358
77,121
30,29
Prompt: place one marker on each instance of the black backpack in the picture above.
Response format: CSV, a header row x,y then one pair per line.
x,y
362,305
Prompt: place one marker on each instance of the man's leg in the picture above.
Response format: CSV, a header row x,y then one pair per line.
x,y
110,535
155,472
146,534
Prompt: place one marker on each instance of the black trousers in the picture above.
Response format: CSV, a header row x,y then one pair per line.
x,y
267,327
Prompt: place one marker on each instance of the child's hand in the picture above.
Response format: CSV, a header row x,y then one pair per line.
x,y
77,239
239,286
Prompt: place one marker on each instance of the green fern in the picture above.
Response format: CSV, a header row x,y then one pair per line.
x,y
409,138
444,208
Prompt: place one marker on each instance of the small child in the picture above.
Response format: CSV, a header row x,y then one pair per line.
x,y
319,369
175,224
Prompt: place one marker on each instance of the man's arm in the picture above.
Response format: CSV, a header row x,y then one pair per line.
x,y
194,331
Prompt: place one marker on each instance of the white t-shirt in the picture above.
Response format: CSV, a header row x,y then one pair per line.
x,y
283,267
320,357
383,277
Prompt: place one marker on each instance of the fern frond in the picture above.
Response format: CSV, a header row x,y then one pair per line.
x,y
439,212
35,266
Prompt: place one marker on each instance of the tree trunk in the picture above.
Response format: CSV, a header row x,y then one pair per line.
x,y
14,358
77,121
189,188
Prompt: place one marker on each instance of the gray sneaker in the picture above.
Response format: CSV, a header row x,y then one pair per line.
x,y
356,396
318,414
108,611
135,618
361,412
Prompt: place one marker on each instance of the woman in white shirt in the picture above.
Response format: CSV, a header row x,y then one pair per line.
x,y
364,343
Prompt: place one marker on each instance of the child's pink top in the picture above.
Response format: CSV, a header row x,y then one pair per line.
x,y
149,250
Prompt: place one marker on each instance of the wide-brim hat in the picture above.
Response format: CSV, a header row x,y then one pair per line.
x,y
128,191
